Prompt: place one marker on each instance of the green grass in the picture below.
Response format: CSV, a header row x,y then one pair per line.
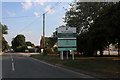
x,y
101,65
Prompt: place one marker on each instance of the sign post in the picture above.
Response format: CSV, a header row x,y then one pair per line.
x,y
73,55
67,55
61,55
66,39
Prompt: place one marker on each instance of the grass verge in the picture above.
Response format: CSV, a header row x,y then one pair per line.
x,y
97,65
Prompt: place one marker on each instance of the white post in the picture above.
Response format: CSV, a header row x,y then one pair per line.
x,y
42,50
61,55
67,55
35,50
72,52
73,55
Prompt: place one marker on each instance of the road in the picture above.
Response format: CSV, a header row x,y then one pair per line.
x,y
0,65
20,66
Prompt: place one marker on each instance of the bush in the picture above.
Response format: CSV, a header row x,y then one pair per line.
x,y
20,49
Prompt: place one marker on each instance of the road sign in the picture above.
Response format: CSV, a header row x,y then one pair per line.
x,y
66,39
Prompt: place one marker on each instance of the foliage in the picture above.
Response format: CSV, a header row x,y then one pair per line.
x,y
103,32
5,45
83,14
50,42
4,29
109,21
28,43
49,45
18,43
97,25
3,42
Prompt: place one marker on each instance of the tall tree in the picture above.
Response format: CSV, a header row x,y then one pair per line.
x,y
3,43
18,43
83,14
109,21
104,31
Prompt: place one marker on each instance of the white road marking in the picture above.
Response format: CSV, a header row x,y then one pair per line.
x,y
43,62
84,75
12,59
13,67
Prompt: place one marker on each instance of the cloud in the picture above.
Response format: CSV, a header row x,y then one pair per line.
x,y
36,14
49,9
11,14
27,4
40,2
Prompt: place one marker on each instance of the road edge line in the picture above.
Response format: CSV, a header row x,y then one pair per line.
x,y
61,67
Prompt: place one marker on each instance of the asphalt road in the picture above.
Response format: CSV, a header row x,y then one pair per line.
x,y
19,66
0,66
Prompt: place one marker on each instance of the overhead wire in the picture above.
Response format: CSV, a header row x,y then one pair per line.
x,y
28,25
17,17
45,13
41,15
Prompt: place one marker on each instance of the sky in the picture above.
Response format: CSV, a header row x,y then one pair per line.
x,y
25,18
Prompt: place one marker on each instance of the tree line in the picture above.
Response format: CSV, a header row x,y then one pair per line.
x,y
19,43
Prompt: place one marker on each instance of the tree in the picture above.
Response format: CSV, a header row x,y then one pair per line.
x,y
18,43
92,36
82,44
104,31
3,43
83,14
51,41
28,43
109,20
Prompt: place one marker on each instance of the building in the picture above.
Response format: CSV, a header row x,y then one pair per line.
x,y
44,44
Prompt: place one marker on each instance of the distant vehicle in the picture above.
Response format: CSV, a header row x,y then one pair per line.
x,y
9,51
26,50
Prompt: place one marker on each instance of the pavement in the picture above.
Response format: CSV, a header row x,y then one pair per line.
x,y
16,65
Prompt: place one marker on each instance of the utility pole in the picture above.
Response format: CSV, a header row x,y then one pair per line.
x,y
43,31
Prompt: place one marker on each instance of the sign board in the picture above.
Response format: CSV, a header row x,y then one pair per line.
x,y
66,39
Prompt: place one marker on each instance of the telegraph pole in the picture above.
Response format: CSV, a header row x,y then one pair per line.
x,y
43,31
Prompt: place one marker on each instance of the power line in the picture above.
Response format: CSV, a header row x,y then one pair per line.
x,y
30,24
41,15
53,7
17,17
33,16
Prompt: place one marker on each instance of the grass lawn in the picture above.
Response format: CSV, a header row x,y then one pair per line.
x,y
101,65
